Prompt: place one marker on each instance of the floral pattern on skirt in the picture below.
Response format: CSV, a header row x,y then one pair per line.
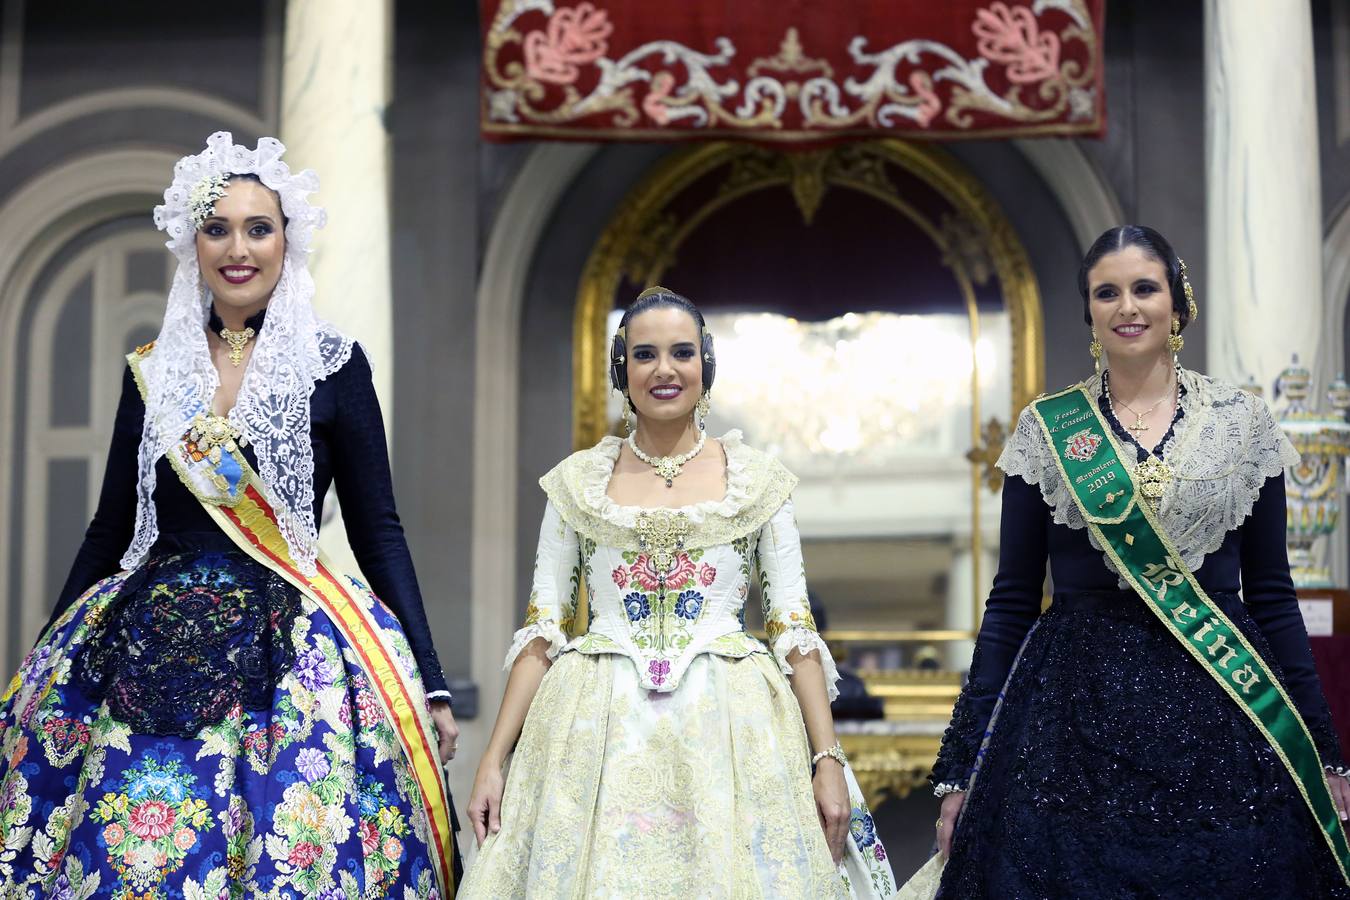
x,y
311,797
615,791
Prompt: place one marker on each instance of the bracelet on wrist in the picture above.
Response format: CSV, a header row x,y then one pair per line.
x,y
836,753
948,787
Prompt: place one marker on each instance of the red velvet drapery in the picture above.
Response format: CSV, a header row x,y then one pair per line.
x,y
791,70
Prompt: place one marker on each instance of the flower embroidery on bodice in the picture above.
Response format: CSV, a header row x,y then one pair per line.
x,y
664,585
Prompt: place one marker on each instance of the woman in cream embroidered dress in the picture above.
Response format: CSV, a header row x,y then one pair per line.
x,y
664,753
1090,755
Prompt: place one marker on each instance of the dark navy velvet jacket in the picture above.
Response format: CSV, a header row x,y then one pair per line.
x,y
1251,561
348,437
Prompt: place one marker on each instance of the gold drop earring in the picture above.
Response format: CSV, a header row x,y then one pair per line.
x,y
627,423
1095,348
704,404
1175,341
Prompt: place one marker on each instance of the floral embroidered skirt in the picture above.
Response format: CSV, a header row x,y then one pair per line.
x,y
618,792
196,728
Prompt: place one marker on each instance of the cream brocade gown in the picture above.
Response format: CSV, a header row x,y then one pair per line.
x,y
665,754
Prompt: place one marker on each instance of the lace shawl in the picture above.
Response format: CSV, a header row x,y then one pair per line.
x,y
294,350
757,486
1223,449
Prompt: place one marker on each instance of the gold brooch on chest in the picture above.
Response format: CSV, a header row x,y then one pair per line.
x,y
1153,475
661,534
208,435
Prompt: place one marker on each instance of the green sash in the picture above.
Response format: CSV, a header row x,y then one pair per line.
x,y
1107,494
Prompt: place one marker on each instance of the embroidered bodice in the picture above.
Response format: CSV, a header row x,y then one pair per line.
x,y
665,585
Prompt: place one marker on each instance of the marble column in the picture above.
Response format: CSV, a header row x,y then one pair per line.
x,y
1263,287
335,86
963,593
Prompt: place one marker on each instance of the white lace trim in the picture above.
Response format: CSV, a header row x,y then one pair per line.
x,y
600,468
804,640
1224,448
546,629
757,485
294,350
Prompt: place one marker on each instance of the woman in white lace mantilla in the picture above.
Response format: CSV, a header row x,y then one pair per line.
x,y
1097,749
214,710
665,752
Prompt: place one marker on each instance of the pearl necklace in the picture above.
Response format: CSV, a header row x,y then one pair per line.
x,y
668,467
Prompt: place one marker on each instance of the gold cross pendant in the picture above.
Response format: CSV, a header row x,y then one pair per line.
x,y
237,341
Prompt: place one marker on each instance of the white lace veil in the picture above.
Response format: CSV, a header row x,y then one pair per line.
x,y
294,350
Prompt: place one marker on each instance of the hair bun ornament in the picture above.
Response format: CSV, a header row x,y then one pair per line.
x,y
655,289
1192,311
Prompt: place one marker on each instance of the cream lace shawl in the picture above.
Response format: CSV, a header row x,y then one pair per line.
x,y
1223,449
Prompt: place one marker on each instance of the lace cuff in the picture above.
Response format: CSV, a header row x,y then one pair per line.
x,y
804,640
947,787
1326,740
960,744
1343,771
546,629
961,741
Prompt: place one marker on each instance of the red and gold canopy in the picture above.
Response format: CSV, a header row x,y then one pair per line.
x,y
791,70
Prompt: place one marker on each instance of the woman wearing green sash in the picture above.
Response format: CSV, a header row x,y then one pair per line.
x,y
1159,730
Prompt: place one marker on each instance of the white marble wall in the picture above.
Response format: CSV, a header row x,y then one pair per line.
x,y
335,87
1264,301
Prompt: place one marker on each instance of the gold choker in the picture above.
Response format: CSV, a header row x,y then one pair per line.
x,y
237,340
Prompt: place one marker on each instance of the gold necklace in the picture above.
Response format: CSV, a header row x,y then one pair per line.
x,y
237,340
668,467
1138,427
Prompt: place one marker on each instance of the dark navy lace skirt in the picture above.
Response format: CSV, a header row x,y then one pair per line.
x,y
1119,768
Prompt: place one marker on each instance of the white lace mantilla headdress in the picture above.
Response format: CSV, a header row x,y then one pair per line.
x,y
294,348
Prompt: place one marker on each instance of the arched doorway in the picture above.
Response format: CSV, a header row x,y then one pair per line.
x,y
899,232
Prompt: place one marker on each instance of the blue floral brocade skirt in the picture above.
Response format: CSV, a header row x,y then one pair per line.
x,y
197,728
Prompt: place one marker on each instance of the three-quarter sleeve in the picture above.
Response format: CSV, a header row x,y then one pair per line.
x,y
1014,604
554,592
1268,591
365,489
110,531
787,608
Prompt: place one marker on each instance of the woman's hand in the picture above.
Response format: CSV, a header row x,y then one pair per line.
x,y
951,808
1340,793
485,801
832,804
447,730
